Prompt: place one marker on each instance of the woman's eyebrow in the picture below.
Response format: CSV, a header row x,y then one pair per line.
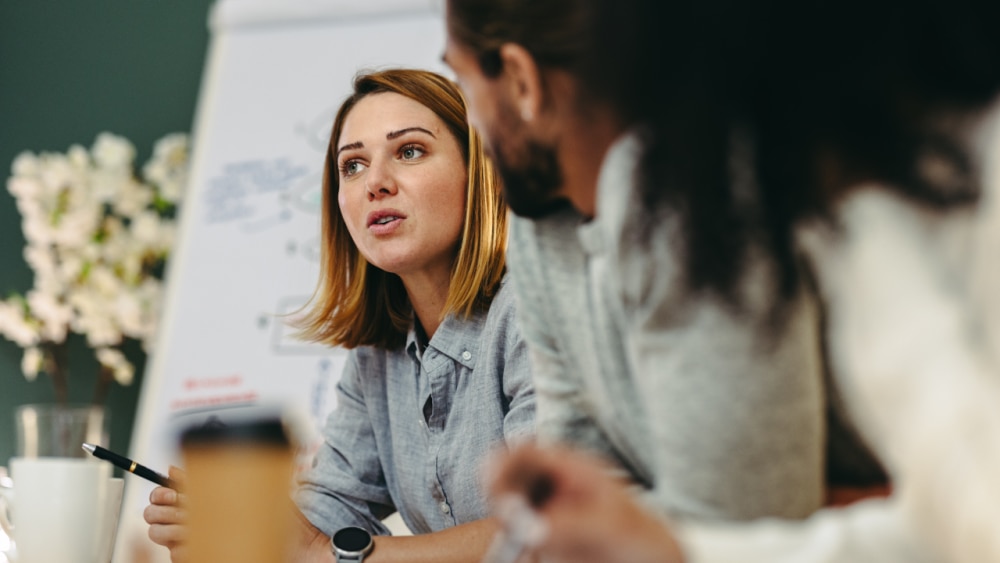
x,y
393,134
390,136
355,145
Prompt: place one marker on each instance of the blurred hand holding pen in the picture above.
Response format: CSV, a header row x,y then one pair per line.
x,y
129,465
566,505
522,529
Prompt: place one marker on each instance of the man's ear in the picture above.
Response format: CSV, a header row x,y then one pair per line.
x,y
524,80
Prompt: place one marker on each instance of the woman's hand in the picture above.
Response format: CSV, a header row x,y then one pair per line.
x,y
587,515
167,517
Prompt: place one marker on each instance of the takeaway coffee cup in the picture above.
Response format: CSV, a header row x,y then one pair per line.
x,y
238,487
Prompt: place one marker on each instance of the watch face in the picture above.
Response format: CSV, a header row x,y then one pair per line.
x,y
352,539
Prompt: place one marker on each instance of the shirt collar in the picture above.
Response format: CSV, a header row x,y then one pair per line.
x,y
412,342
456,337
617,170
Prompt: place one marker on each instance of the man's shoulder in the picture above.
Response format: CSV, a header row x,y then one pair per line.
x,y
556,227
538,246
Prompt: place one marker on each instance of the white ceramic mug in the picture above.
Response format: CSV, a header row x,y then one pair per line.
x,y
109,527
60,510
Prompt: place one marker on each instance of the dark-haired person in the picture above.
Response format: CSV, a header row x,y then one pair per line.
x,y
861,139
715,405
412,281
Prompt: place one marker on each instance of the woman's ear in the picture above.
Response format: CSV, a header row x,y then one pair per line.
x,y
524,80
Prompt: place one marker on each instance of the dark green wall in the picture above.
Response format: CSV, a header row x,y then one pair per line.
x,y
69,70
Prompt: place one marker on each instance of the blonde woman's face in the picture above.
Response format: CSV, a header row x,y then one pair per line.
x,y
402,186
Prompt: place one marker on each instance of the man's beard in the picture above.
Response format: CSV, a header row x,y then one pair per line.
x,y
531,183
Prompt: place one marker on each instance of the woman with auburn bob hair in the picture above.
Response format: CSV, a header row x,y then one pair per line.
x,y
412,282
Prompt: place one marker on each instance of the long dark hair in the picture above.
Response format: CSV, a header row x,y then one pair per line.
x,y
758,114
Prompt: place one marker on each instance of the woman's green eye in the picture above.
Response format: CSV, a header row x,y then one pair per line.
x,y
350,168
411,152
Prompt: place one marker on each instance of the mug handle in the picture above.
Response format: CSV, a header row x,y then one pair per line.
x,y
6,497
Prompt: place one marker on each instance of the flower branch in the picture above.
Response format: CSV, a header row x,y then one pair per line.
x,y
97,237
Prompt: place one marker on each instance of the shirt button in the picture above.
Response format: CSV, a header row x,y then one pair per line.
x,y
467,355
445,509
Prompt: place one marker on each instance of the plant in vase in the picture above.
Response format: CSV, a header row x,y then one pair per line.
x,y
97,237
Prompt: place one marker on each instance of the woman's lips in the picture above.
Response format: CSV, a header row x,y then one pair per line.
x,y
384,221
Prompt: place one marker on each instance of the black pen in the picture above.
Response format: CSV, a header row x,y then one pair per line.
x,y
129,465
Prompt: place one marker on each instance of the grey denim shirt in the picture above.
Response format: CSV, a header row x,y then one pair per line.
x,y
382,454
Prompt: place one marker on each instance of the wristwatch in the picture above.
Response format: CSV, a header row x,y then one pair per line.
x,y
351,544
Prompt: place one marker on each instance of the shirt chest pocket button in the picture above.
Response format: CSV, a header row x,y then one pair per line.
x,y
467,355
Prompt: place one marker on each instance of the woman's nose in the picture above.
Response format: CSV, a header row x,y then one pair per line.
x,y
379,182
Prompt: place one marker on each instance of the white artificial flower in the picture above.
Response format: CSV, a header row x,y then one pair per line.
x,y
54,315
82,198
15,326
76,228
128,312
120,367
146,228
150,291
78,157
85,301
130,265
113,152
173,191
70,267
31,208
40,258
104,280
36,231
133,198
49,283
150,294
94,236
57,174
35,221
91,252
54,332
25,164
99,330
113,228
114,249
168,167
108,356
172,150
106,185
24,187
118,255
124,374
31,362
